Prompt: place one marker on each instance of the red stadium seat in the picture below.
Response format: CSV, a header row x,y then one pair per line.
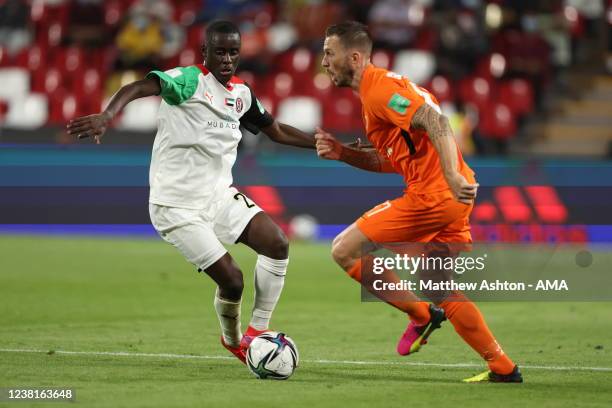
x,y
497,121
477,91
4,107
382,59
52,80
342,113
297,61
113,10
441,88
185,12
87,88
518,95
5,59
56,106
188,57
70,61
32,58
492,66
195,36
282,85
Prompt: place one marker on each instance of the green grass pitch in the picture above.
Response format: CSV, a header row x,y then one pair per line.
x,y
141,298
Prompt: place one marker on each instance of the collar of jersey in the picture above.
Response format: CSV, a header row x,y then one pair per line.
x,y
230,84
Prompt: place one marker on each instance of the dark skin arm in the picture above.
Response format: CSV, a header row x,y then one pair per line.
x,y
355,154
95,125
288,135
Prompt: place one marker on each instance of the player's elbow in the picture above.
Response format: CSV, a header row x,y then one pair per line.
x,y
274,132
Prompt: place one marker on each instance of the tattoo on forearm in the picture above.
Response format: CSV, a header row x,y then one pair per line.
x,y
363,159
440,134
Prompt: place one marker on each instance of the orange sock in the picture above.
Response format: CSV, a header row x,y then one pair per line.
x,y
409,302
470,325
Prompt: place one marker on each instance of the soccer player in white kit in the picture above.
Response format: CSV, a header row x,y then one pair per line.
x,y
192,203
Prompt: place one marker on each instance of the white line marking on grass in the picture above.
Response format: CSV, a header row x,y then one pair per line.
x,y
327,362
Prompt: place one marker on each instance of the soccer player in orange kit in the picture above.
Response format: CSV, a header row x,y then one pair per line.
x,y
411,137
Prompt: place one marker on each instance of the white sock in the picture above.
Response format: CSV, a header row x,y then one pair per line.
x,y
269,281
228,312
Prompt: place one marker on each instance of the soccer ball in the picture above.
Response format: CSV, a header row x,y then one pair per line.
x,y
272,355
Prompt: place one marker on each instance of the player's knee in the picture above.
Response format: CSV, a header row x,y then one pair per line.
x,y
278,248
340,253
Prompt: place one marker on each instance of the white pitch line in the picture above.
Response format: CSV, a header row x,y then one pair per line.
x,y
341,362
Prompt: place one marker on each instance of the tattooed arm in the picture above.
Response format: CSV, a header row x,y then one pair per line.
x,y
356,155
441,136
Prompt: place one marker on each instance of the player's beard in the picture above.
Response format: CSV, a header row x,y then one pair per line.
x,y
345,75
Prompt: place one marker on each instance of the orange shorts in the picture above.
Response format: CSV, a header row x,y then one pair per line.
x,y
436,217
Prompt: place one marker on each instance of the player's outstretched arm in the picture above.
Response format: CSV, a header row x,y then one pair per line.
x,y
441,136
288,135
365,158
95,125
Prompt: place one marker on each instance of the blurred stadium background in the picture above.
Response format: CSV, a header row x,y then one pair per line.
x,y
526,84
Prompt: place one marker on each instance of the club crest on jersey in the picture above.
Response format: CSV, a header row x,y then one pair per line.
x,y
239,105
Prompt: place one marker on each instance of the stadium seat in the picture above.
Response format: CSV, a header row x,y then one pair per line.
x,y
382,59
321,86
27,112
300,111
492,66
15,83
497,121
195,36
188,57
87,89
113,10
282,85
441,88
140,115
5,59
299,64
31,58
185,12
52,80
417,65
342,113
281,36
3,109
476,90
518,95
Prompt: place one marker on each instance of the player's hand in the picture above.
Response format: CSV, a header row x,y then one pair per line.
x,y
328,147
463,191
93,126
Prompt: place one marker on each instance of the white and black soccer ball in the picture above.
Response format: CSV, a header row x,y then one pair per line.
x,y
272,355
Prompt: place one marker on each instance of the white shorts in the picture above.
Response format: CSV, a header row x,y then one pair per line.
x,y
200,234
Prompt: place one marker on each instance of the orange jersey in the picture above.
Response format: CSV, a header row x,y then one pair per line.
x,y
389,102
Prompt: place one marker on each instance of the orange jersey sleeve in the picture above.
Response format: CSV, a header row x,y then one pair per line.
x,y
393,100
389,104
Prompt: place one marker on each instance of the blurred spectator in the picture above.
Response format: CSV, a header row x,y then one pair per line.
x,y
310,19
389,24
234,10
462,43
148,35
86,23
15,32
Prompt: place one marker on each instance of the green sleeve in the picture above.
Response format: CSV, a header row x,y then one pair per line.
x,y
177,84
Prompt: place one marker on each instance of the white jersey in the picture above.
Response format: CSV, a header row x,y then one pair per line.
x,y
198,135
